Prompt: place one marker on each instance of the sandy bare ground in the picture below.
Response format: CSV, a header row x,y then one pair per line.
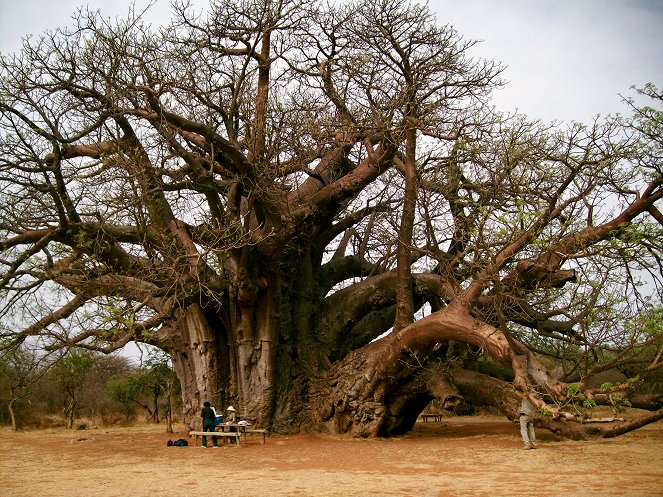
x,y
474,456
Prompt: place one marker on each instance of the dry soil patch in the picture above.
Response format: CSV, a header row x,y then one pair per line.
x,y
466,457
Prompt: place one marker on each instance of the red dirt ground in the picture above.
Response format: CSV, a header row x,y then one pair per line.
x,y
461,457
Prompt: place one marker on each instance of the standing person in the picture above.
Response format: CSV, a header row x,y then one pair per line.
x,y
208,416
527,412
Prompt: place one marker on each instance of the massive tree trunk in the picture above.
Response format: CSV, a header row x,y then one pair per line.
x,y
226,366
380,389
194,349
225,351
356,395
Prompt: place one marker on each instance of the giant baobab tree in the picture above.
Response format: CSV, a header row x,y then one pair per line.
x,y
266,189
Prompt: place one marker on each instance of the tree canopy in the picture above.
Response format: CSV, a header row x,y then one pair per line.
x,y
264,189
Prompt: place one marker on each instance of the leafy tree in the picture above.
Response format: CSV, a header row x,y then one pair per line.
x,y
70,373
163,383
20,369
264,190
146,387
125,390
95,404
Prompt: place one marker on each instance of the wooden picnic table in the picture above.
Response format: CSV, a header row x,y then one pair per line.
x,y
433,417
233,431
230,435
243,428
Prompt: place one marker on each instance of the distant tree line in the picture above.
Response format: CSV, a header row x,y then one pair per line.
x,y
79,387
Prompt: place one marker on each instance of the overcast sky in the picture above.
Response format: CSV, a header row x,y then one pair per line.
x,y
566,59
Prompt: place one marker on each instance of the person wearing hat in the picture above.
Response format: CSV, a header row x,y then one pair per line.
x,y
231,417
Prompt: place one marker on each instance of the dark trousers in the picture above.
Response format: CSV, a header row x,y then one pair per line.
x,y
209,426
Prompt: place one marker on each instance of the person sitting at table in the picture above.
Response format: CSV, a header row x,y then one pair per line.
x,y
231,415
231,418
208,416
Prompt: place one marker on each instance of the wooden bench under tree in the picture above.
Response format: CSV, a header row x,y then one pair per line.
x,y
259,431
221,434
433,417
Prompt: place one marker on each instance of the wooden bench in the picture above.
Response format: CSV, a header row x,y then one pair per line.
x,y
228,434
434,417
259,431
